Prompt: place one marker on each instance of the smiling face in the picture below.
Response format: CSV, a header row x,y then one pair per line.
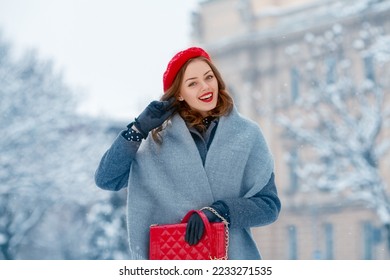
x,y
199,87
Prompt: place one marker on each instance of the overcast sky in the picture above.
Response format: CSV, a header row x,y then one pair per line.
x,y
114,51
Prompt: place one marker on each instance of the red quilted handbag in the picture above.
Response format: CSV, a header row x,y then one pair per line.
x,y
167,241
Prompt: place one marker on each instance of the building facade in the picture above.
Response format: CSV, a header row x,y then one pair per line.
x,y
266,50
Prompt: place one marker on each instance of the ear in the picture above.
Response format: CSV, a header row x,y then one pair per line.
x,y
180,98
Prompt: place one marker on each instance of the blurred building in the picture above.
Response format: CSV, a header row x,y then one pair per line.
x,y
251,42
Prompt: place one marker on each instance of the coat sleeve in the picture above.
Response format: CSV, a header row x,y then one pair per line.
x,y
259,210
114,167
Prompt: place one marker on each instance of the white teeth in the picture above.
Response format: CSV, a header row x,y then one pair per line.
x,y
206,96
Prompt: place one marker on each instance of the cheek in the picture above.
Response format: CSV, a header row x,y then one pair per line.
x,y
188,94
214,84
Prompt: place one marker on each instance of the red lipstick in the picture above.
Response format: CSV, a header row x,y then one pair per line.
x,y
207,97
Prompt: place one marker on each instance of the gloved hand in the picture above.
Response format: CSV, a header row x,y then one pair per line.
x,y
154,115
195,227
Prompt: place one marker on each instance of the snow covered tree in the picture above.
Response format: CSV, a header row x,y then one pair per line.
x,y
338,113
109,239
33,102
47,163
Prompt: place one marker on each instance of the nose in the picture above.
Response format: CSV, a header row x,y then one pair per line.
x,y
204,86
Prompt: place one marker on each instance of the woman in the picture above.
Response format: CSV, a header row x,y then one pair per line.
x,y
201,152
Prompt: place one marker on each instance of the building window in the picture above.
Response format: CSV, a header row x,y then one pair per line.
x,y
293,165
329,254
292,243
369,68
368,241
330,70
294,83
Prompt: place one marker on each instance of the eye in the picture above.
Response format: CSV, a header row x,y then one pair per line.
x,y
192,84
209,77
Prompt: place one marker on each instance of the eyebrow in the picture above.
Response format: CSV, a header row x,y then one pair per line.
x,y
196,77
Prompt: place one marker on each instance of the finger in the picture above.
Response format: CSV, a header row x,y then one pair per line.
x,y
195,232
171,100
200,231
154,108
168,105
188,233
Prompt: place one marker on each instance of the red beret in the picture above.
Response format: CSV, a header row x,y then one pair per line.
x,y
178,61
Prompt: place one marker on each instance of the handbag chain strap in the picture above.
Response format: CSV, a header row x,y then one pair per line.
x,y
226,223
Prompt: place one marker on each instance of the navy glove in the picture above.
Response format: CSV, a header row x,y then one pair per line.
x,y
195,227
154,115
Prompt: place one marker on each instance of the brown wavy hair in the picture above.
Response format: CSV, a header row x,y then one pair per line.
x,y
190,116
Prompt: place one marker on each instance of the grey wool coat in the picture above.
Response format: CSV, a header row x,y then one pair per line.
x,y
167,180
